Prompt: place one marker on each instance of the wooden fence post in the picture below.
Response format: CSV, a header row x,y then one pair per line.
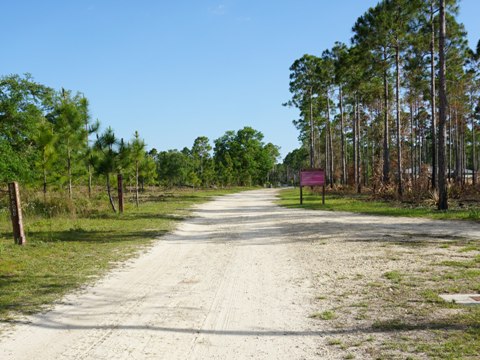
x,y
16,214
120,192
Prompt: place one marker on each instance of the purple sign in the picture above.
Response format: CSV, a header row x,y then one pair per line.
x,y
312,177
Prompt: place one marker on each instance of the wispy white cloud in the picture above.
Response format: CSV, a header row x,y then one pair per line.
x,y
219,10
244,19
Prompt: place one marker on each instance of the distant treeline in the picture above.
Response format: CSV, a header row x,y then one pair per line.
x,y
49,141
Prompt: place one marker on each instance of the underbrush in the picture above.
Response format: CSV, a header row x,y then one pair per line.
x,y
415,202
57,203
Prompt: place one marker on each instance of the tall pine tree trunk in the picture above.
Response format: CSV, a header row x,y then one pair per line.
x,y
366,158
136,183
342,138
397,120
89,170
359,147
412,147
450,144
474,141
44,184
442,184
433,108
458,151
464,156
312,157
109,192
355,157
330,145
386,132
418,140
327,156
89,181
69,171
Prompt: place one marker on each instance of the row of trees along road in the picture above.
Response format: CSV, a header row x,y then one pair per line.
x,y
400,102
239,158
49,141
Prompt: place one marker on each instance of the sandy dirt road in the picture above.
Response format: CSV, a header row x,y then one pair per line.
x,y
222,286
239,280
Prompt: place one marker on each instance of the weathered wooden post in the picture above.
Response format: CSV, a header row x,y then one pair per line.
x,y
120,193
16,214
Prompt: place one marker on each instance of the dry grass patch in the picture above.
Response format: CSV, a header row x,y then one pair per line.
x,y
67,250
394,301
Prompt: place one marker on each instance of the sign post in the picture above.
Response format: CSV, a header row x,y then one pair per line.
x,y
16,214
312,177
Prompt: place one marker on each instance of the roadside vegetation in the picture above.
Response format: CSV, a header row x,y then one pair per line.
x,y
376,115
68,249
392,118
368,203
49,142
399,103
393,306
398,314
69,171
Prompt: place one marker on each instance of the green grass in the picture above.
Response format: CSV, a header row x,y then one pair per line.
x,y
394,276
474,263
324,315
453,335
407,302
391,325
333,342
64,252
468,248
460,338
362,203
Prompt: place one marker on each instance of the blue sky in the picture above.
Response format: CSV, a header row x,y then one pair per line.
x,y
175,70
